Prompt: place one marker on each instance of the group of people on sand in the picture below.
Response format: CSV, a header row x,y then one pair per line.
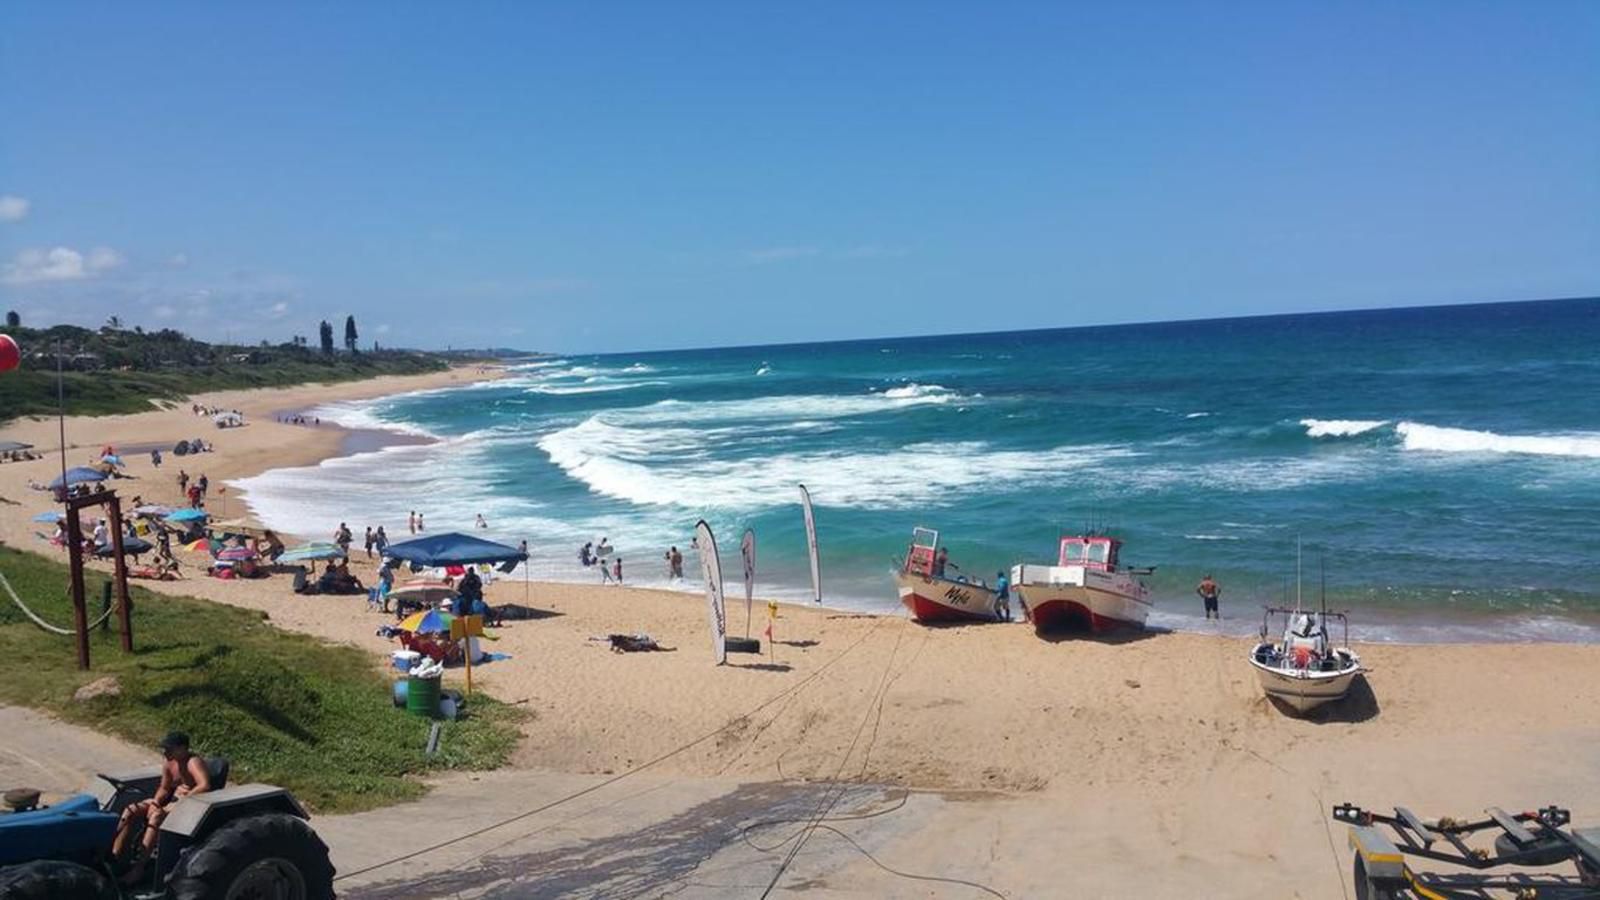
x,y
194,491
199,410
314,421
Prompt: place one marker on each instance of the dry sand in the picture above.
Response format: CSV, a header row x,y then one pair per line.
x,y
1157,753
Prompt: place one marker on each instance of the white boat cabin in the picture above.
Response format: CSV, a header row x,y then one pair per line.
x,y
1079,556
923,557
1092,552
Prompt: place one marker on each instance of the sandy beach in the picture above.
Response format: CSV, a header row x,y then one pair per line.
x,y
1156,751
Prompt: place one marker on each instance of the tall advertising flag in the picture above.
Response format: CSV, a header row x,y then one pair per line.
x,y
711,566
747,552
811,543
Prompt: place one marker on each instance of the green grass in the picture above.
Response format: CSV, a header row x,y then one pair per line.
x,y
287,708
29,391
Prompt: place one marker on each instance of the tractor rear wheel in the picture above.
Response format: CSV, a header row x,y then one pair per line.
x,y
52,879
267,856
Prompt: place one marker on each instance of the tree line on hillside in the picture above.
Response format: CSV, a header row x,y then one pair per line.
x,y
113,346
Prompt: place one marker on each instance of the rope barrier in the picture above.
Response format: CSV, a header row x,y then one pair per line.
x,y
53,629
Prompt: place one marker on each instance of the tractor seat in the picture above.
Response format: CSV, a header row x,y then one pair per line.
x,y
217,768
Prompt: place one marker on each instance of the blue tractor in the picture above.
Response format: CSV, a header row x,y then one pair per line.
x,y
231,843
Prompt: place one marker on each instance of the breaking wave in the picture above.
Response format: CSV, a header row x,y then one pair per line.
x,y
1341,427
1437,439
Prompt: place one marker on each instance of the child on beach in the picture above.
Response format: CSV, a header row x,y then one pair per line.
x,y
617,571
411,521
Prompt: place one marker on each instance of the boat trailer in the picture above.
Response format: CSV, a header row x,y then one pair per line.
x,y
1540,838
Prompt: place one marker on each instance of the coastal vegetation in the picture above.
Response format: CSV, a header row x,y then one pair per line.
x,y
121,370
287,708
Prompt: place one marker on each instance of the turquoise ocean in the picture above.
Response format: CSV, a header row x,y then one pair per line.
x,y
1440,467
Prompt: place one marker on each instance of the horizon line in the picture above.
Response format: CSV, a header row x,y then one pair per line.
x,y
1107,325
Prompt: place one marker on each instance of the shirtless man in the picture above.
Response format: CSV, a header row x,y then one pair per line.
x,y
1209,592
182,774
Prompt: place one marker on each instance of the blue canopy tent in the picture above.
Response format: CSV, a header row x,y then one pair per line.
x,y
456,549
186,514
453,549
78,475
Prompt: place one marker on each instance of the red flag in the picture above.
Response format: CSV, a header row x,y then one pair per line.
x,y
768,632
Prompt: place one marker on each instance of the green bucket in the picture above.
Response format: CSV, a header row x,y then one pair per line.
x,y
422,696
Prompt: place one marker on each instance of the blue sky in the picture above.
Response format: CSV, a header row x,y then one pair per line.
x,y
596,177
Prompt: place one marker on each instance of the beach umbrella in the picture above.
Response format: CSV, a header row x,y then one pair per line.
x,y
429,621
453,549
235,554
78,475
53,515
201,544
310,552
187,514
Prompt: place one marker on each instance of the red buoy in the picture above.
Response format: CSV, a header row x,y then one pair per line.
x,y
10,353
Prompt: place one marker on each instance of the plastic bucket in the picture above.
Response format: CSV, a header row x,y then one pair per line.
x,y
422,696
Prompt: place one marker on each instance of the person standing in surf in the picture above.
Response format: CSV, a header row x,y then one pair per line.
x,y
1209,592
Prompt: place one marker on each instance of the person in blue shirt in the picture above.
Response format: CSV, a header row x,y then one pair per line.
x,y
1002,595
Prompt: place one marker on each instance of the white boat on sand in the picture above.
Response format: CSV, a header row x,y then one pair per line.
x,y
1088,587
931,595
1304,670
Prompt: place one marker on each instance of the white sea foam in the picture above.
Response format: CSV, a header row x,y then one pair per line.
x,y
364,416
933,393
764,370
1197,415
796,406
1434,438
1212,537
649,467
589,387
1341,427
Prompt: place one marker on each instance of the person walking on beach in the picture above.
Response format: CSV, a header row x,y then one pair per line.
x,y
155,458
380,541
1002,596
1209,591
411,521
183,482
370,538
202,483
343,537
617,571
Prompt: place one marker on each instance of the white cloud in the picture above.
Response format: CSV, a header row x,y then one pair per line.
x,y
165,311
384,328
103,258
278,310
780,254
35,265
178,260
13,208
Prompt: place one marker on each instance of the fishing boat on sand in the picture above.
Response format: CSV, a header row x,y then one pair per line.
x,y
933,596
1304,670
1087,588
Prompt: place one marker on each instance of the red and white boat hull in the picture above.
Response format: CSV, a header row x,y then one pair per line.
x,y
1068,597
931,599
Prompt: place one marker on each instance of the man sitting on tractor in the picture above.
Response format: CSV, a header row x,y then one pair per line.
x,y
182,774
